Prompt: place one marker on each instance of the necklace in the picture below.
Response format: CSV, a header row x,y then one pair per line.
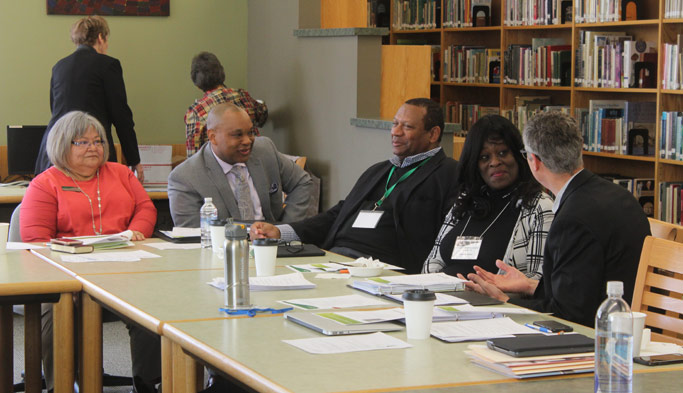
x,y
99,201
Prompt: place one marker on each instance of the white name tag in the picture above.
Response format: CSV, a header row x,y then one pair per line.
x,y
368,219
466,247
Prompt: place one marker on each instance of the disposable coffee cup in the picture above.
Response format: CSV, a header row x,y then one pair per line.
x,y
217,235
4,230
418,305
265,254
638,326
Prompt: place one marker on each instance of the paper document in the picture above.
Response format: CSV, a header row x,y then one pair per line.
x,y
334,302
174,246
333,267
117,240
270,283
398,284
343,344
441,299
122,256
497,310
184,232
478,330
363,317
23,246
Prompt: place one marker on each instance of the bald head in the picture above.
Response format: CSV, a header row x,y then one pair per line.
x,y
216,114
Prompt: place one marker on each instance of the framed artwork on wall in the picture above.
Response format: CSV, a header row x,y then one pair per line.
x,y
109,7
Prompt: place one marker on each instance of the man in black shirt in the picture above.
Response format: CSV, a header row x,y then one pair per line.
x,y
396,207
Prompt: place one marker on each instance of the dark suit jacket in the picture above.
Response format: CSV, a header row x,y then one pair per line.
x,y
422,201
93,83
597,236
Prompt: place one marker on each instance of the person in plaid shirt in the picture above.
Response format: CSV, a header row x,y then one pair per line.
x,y
207,74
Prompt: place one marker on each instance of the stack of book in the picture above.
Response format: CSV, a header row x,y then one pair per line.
x,y
531,367
471,64
416,14
671,142
437,282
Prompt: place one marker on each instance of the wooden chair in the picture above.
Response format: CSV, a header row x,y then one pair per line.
x,y
666,230
658,290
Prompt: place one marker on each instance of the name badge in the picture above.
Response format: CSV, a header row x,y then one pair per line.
x,y
466,247
368,219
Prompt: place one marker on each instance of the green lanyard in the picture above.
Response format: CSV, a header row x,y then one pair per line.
x,y
388,190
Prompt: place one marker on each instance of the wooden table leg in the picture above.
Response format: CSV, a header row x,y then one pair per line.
x,y
91,345
6,348
64,344
32,348
166,364
179,370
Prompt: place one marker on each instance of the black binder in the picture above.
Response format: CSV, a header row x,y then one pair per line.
x,y
541,345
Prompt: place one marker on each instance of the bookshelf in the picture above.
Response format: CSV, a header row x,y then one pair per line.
x,y
651,26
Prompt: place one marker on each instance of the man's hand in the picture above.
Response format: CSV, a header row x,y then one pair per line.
x,y
140,172
260,230
512,281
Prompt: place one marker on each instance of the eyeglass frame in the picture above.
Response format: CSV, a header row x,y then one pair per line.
x,y
86,144
526,152
293,246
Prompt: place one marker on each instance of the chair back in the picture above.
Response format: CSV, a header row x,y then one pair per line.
x,y
658,290
14,231
666,230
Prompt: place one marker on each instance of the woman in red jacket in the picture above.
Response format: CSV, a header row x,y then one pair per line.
x,y
82,194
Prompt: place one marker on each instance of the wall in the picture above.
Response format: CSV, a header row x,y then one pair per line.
x,y
155,53
311,88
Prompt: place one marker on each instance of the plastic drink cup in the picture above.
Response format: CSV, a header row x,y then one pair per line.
x,y
265,254
638,326
217,235
4,231
418,305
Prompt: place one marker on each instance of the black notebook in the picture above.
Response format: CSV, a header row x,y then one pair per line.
x,y
541,345
308,250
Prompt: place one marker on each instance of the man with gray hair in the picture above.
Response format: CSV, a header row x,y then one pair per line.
x,y
597,234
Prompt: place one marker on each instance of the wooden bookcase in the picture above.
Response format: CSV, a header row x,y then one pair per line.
x,y
651,27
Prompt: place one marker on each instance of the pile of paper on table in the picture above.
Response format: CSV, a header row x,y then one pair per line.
x,y
531,367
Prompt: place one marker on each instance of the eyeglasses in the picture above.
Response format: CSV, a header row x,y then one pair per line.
x,y
84,144
293,246
525,154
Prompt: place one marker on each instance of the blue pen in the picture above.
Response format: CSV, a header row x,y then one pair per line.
x,y
544,330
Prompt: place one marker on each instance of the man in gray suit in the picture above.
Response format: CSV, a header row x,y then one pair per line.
x,y
235,160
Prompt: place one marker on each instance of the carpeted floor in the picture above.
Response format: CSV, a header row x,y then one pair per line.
x,y
116,351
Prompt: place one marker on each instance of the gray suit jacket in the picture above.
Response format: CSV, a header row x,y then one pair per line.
x,y
200,176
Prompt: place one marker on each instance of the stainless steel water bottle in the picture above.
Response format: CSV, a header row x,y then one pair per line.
x,y
236,264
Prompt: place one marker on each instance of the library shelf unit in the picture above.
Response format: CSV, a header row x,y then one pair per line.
x,y
652,26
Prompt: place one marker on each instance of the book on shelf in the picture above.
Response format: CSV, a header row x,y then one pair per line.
x,y
673,9
671,143
592,11
467,114
526,107
604,131
670,202
626,182
493,67
468,64
416,14
640,128
535,12
673,72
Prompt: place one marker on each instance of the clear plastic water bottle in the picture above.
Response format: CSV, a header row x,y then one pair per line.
x,y
207,213
614,343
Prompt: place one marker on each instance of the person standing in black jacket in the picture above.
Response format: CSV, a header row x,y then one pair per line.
x,y
90,81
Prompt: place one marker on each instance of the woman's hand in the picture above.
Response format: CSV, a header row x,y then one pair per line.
x,y
512,281
137,236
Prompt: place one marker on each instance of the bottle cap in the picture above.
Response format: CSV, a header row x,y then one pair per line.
x,y
615,288
265,242
235,232
419,295
208,199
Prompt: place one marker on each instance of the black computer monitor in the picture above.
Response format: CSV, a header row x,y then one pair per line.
x,y
23,143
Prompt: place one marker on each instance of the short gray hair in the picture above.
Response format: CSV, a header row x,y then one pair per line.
x,y
68,128
555,138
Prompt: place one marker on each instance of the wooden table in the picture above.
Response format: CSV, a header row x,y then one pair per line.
x,y
14,194
25,279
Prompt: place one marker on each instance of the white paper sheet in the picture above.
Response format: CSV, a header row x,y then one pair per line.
x,y
500,310
352,343
23,246
270,283
103,239
333,276
174,246
321,303
478,330
124,256
185,232
363,317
